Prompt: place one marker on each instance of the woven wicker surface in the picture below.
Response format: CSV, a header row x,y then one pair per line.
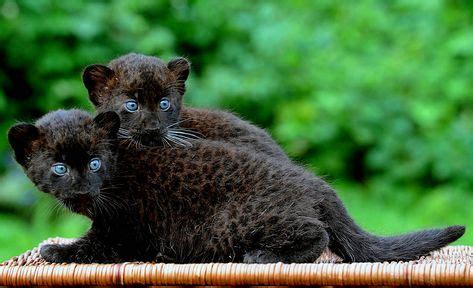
x,y
449,266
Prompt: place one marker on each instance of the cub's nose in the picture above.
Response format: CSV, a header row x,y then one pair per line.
x,y
151,125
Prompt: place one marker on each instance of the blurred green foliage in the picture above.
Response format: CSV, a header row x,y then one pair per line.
x,y
375,94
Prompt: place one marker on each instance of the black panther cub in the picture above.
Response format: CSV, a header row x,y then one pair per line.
x,y
147,94
208,202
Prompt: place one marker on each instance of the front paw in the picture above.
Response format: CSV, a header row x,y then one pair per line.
x,y
260,256
56,253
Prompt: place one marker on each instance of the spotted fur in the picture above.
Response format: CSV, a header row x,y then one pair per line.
x,y
210,202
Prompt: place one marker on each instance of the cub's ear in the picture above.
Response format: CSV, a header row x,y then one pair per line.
x,y
108,124
22,137
180,67
98,78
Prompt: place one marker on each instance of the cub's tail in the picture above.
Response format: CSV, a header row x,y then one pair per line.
x,y
353,244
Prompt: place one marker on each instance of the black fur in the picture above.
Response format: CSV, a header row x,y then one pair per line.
x,y
207,202
147,80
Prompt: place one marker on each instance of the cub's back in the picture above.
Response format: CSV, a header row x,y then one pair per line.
x,y
214,171
225,126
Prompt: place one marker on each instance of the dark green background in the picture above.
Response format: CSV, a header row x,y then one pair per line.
x,y
376,96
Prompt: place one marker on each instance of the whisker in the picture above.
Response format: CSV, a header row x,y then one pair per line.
x,y
184,133
179,140
57,208
178,122
188,130
166,142
174,140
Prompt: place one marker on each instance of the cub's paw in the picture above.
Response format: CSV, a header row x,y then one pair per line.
x,y
260,256
55,253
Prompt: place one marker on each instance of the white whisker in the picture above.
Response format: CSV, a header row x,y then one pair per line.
x,y
179,140
184,133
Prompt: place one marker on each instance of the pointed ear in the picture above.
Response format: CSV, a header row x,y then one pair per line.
x,y
180,67
98,78
108,124
22,137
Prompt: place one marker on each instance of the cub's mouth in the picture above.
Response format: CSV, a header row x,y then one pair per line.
x,y
150,138
140,138
137,139
81,204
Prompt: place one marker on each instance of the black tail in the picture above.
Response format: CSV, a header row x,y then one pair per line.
x,y
353,244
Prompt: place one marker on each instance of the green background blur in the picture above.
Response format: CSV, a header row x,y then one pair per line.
x,y
376,96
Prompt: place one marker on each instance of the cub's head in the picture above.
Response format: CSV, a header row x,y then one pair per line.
x,y
70,155
145,92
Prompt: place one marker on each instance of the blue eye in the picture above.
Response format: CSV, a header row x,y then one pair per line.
x,y
131,106
59,169
164,104
94,165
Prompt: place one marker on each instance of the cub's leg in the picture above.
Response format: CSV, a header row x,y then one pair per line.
x,y
85,250
264,234
270,226
302,242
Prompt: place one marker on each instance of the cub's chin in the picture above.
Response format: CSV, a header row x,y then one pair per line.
x,y
81,204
